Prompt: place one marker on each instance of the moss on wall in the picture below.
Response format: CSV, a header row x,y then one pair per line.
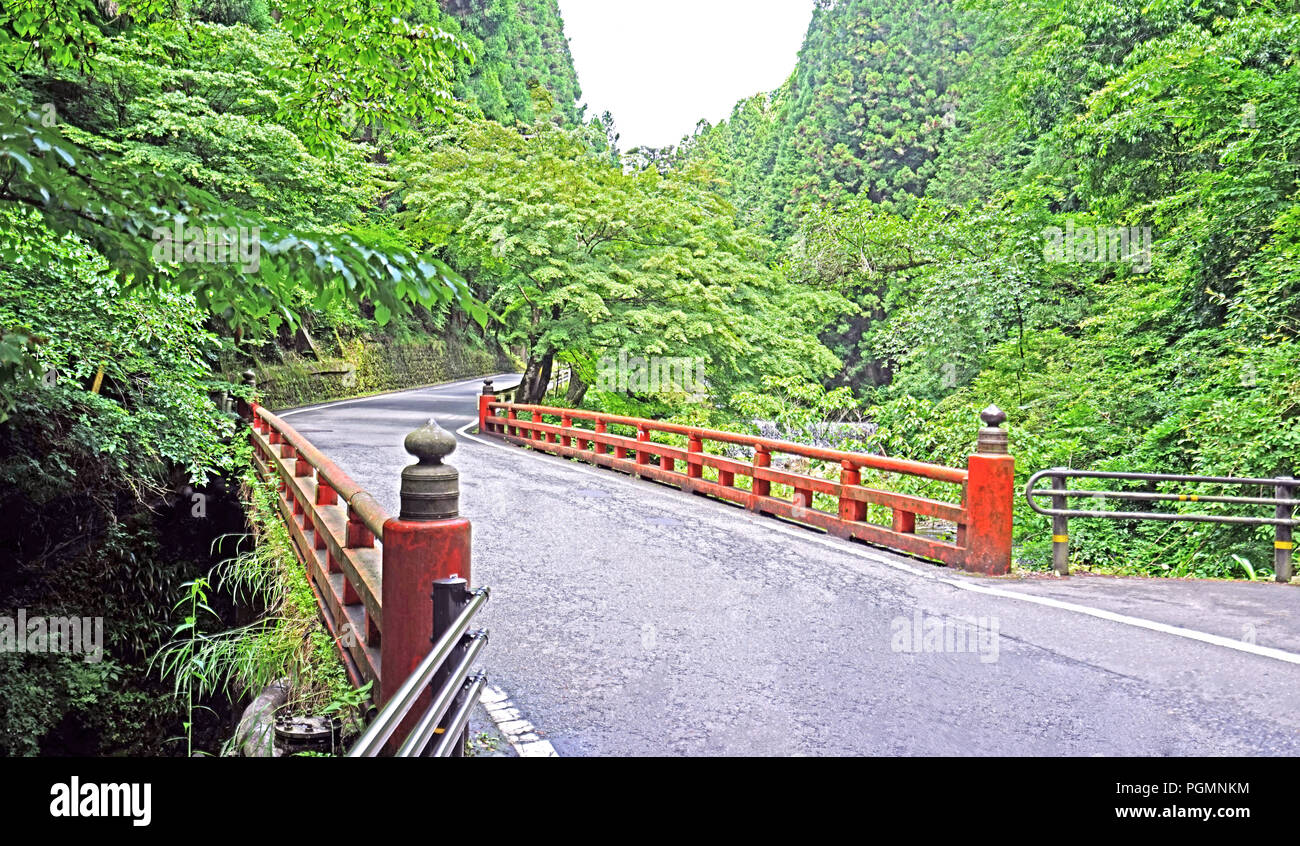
x,y
368,365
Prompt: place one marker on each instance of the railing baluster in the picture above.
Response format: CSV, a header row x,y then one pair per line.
x,y
695,468
762,459
642,437
359,535
903,522
852,510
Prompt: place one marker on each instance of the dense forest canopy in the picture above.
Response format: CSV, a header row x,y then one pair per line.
x,y
993,129
1085,211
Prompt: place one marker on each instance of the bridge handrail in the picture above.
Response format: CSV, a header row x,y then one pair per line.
x,y
982,519
937,472
370,571
367,508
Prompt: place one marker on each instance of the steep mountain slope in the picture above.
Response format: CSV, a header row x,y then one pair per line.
x,y
863,113
518,43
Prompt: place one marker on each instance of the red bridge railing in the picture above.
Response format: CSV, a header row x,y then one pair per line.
x,y
982,516
372,573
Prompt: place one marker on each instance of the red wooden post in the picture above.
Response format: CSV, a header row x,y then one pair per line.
x,y
484,399
695,468
904,521
762,458
990,494
428,540
642,437
513,416
537,418
620,452
566,422
600,429
853,510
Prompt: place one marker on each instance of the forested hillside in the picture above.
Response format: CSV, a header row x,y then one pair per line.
x,y
295,187
187,191
516,44
970,197
1085,211
863,113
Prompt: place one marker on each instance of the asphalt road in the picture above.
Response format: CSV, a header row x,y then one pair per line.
x,y
628,618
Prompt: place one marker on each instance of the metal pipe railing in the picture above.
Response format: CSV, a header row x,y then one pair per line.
x,y
383,727
447,744
443,699
1283,519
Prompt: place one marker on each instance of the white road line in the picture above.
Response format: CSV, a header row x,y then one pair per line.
x,y
853,549
385,395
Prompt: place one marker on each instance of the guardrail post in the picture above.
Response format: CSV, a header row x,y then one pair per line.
x,y
990,483
599,428
1282,541
1060,530
695,469
427,541
565,422
450,596
488,396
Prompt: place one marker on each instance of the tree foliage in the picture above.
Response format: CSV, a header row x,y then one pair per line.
x,y
582,260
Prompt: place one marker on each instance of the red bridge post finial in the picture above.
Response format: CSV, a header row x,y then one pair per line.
x,y
428,540
990,494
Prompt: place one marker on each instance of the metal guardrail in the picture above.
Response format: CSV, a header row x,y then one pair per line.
x,y
1283,502
445,673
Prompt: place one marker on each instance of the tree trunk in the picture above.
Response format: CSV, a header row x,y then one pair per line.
x,y
537,375
577,390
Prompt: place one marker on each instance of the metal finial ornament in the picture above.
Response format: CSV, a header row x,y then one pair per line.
x,y
992,440
487,387
430,488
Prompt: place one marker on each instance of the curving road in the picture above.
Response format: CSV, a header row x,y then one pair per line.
x,y
628,618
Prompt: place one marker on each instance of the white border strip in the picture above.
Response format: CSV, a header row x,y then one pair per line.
x,y
841,546
518,732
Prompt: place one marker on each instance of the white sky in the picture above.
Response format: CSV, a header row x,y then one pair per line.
x,y
659,66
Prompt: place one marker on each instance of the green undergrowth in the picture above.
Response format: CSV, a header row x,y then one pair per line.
x,y
287,640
